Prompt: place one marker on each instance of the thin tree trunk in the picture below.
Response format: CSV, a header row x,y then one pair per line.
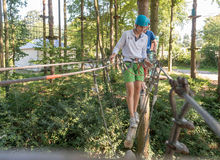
x,y
82,31
193,41
51,35
99,39
12,34
60,52
98,28
97,50
44,36
65,31
154,16
102,26
2,57
143,6
116,21
111,26
142,145
13,43
171,38
116,31
218,89
6,43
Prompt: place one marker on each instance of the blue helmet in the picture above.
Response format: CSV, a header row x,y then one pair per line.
x,y
142,20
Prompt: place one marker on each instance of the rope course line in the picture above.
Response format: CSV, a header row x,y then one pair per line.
x,y
43,65
3,83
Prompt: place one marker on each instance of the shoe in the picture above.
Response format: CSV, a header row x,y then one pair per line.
x,y
136,115
133,123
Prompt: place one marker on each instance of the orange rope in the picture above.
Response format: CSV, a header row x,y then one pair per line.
x,y
53,76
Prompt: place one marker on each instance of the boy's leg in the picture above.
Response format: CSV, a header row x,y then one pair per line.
x,y
130,97
137,89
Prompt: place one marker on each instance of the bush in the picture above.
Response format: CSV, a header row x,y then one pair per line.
x,y
209,59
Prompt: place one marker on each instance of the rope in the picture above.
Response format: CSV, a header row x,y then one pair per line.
x,y
44,65
3,83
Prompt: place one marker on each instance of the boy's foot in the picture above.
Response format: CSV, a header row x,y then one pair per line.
x,y
133,123
136,115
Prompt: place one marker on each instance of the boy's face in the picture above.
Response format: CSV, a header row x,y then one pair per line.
x,y
141,29
146,29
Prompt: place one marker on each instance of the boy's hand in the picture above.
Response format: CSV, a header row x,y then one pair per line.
x,y
148,63
112,57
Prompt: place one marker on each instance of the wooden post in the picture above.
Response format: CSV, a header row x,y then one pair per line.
x,y
129,141
143,130
193,40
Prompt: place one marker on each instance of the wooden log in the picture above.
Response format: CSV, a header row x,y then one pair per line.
x,y
143,131
129,141
129,155
162,77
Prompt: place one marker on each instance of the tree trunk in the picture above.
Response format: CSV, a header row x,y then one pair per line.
x,y
116,21
60,52
171,38
2,57
116,31
65,31
51,35
82,30
6,43
143,6
13,42
193,41
44,36
142,144
98,28
154,16
111,26
218,89
99,39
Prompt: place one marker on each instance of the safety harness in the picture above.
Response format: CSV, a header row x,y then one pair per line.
x,y
139,62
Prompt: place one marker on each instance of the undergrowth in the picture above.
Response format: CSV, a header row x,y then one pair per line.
x,y
66,114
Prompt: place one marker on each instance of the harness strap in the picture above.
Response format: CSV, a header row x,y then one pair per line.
x,y
139,64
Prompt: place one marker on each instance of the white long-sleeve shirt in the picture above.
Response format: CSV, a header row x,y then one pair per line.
x,y
132,48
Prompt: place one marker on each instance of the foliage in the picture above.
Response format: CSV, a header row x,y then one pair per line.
x,y
17,28
211,32
209,56
66,114
161,121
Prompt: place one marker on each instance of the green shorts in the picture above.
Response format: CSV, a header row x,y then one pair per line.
x,y
133,72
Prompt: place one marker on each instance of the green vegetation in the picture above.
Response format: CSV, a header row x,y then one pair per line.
x,y
66,114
